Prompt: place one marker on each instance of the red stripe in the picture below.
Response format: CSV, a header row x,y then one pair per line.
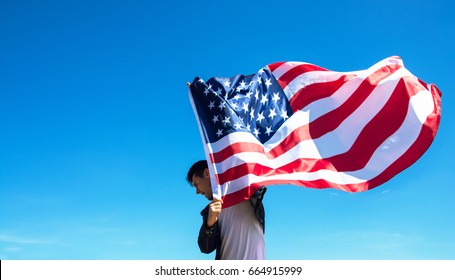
x,y
295,137
293,73
274,66
245,193
239,196
299,165
235,149
313,92
434,90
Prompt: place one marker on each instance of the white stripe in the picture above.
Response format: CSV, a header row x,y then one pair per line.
x,y
305,149
285,67
393,60
328,175
309,78
232,138
325,105
297,120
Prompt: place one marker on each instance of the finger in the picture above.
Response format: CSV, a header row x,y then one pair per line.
x,y
217,200
216,206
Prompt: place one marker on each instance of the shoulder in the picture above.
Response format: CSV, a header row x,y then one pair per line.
x,y
205,211
259,194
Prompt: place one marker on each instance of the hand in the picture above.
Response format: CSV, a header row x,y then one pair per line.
x,y
214,211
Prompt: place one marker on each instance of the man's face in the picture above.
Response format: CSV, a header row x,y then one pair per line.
x,y
203,185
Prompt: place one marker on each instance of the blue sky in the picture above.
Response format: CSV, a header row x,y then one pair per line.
x,y
97,131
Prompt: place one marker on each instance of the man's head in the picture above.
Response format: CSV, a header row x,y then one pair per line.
x,y
199,177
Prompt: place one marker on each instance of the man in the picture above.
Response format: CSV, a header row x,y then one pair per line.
x,y
237,232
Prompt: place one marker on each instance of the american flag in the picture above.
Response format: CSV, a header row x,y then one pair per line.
x,y
298,123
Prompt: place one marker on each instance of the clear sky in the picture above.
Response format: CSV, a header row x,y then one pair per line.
x,y
97,131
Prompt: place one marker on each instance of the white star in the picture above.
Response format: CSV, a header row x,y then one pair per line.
x,y
276,97
226,83
238,89
272,113
259,80
252,113
215,119
212,105
219,132
226,120
268,83
242,84
237,125
284,115
260,116
248,95
256,95
256,132
248,127
235,106
222,105
245,107
264,99
268,130
219,92
201,81
261,71
237,97
208,89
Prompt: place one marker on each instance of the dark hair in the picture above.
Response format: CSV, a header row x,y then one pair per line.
x,y
196,169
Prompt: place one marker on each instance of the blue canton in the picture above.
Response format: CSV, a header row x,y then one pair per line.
x,y
253,103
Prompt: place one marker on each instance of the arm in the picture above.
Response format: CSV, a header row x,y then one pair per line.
x,y
208,239
209,233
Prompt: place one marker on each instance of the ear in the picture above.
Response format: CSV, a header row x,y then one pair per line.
x,y
206,173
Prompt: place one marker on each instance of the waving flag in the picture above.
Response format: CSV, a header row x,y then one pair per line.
x,y
298,123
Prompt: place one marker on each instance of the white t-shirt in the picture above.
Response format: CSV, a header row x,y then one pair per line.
x,y
242,237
